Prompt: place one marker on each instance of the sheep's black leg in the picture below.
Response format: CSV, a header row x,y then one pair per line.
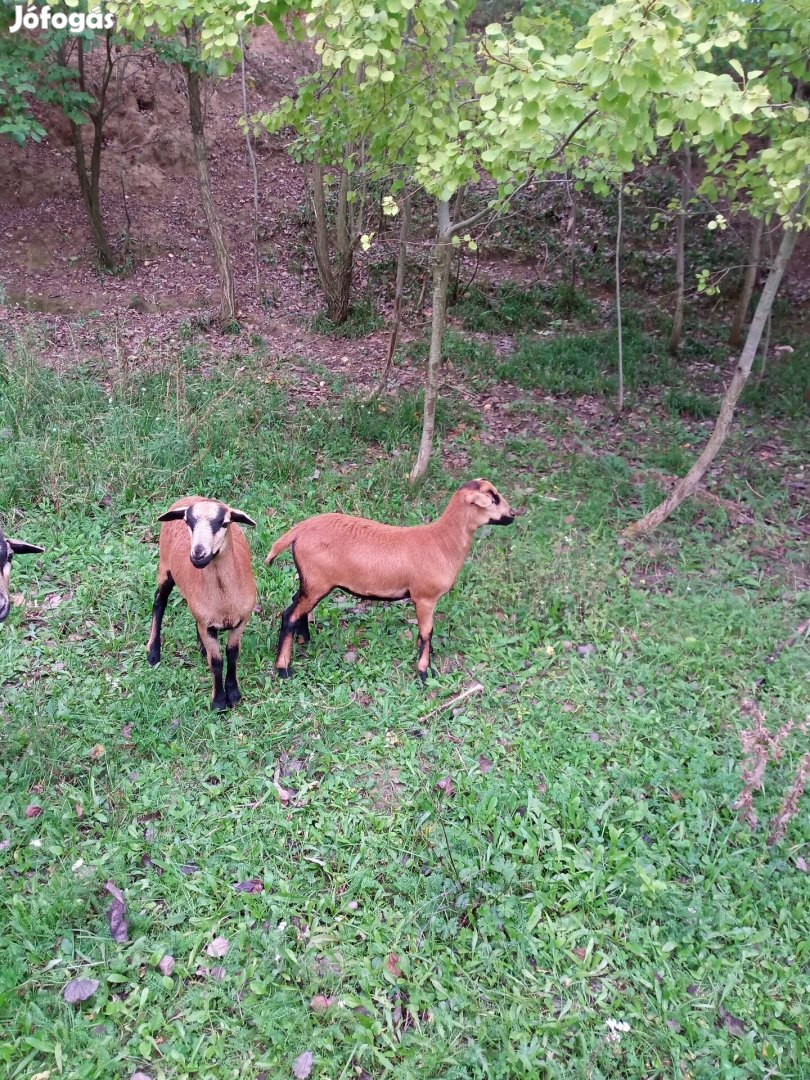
x,y
291,621
301,630
158,609
218,702
424,616
232,695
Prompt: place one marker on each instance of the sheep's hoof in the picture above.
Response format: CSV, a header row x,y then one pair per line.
x,y
284,672
219,704
153,657
423,675
233,696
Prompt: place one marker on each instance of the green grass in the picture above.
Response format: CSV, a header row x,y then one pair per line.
x,y
585,363
594,872
512,308
362,319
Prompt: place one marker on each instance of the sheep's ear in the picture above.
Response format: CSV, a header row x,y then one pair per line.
x,y
482,499
19,547
174,515
242,518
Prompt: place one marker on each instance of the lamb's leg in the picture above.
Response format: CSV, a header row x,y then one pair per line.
x,y
298,610
164,588
210,639
232,695
424,616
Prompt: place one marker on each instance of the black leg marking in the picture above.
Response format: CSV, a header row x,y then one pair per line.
x,y
302,630
219,701
232,694
422,644
158,610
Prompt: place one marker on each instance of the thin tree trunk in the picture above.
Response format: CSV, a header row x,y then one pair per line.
x,y
750,280
399,288
680,254
90,179
571,229
620,397
222,257
253,169
441,277
336,280
688,484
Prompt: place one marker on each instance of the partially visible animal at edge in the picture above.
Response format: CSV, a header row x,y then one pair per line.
x,y
8,549
206,555
384,562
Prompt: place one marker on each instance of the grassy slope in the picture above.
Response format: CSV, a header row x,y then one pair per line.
x,y
594,872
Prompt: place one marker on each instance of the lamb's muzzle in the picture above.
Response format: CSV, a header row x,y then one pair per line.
x,y
384,562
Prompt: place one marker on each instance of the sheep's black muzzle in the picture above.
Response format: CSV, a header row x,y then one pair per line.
x,y
504,519
201,561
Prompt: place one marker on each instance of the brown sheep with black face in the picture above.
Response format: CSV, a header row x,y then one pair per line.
x,y
8,549
205,554
384,562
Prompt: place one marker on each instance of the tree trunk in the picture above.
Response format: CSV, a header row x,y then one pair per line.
x,y
571,229
89,183
399,288
336,281
227,309
90,180
441,277
680,254
750,280
688,484
620,396
252,163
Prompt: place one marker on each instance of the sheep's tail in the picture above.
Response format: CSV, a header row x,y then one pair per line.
x,y
281,544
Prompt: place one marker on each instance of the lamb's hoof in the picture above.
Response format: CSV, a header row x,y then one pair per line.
x,y
233,696
423,676
219,704
284,672
153,657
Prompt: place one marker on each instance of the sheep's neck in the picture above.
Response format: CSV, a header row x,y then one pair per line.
x,y
454,535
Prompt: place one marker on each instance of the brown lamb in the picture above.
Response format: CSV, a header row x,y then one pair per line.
x,y
384,562
205,554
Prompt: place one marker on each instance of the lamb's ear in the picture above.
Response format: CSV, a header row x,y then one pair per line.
x,y
19,547
242,518
174,515
482,499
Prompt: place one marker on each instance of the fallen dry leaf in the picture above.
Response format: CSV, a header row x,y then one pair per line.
x,y
140,1076
189,868
801,864
302,1066
116,916
283,794
446,786
586,650
79,990
320,1003
166,965
484,763
33,811
97,752
218,947
732,1024
392,964
252,885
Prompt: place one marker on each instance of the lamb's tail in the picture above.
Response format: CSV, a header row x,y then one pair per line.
x,y
281,544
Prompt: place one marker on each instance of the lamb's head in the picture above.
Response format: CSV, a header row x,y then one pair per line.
x,y
208,522
8,549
